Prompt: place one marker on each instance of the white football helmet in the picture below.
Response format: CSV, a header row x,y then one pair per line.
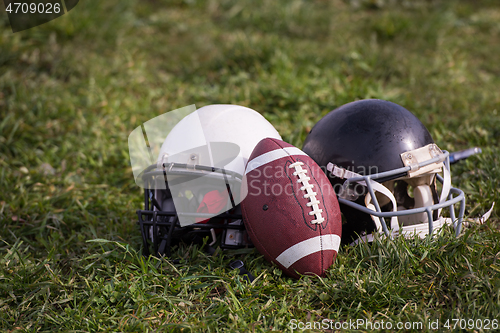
x,y
193,188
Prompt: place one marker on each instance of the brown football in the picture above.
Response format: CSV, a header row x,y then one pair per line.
x,y
291,211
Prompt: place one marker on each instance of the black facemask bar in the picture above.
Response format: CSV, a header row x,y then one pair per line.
x,y
160,229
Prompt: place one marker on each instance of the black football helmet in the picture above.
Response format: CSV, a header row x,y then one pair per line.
x,y
192,176
383,163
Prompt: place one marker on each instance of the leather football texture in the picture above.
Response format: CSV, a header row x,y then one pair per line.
x,y
291,211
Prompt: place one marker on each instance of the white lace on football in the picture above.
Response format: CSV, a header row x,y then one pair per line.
x,y
310,194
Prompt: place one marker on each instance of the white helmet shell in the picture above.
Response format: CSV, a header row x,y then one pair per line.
x,y
192,140
200,164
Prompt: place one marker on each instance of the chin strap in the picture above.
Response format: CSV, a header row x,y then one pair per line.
x,y
479,220
238,264
346,174
445,191
421,229
382,189
446,184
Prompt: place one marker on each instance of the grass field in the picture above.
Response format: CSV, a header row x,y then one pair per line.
x,y
73,89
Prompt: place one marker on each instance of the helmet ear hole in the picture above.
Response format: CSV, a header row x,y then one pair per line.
x,y
436,187
435,197
404,194
409,191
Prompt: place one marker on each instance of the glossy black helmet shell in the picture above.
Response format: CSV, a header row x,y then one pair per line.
x,y
366,136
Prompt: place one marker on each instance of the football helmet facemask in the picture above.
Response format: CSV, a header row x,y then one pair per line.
x,y
194,188
384,164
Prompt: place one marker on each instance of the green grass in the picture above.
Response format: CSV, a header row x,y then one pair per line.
x,y
73,89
